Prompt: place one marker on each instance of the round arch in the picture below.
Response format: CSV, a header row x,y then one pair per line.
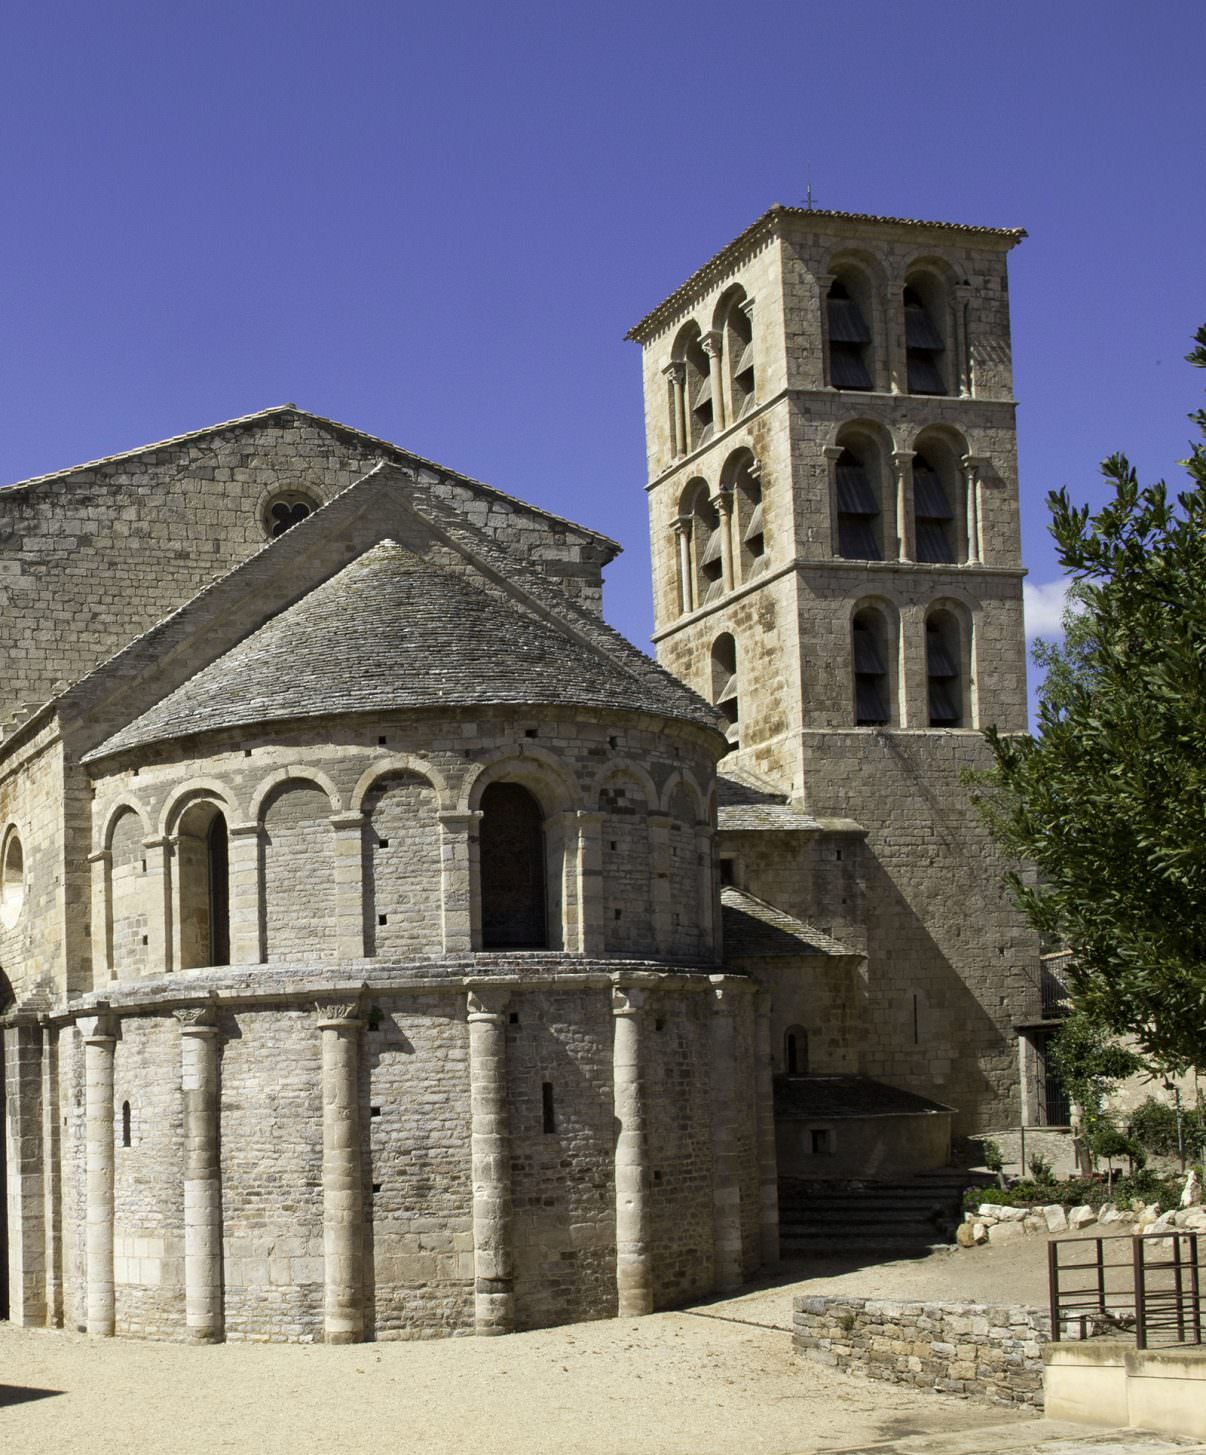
x,y
181,799
295,773
127,803
395,767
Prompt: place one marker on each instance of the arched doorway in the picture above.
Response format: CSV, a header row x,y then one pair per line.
x,y
512,870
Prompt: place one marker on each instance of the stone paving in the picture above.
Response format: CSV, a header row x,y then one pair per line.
x,y
1043,1437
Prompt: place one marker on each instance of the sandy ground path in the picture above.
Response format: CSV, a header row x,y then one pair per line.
x,y
671,1384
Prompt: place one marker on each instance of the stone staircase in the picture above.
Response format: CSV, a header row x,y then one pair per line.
x,y
868,1218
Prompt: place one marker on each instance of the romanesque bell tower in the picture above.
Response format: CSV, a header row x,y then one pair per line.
x,y
834,512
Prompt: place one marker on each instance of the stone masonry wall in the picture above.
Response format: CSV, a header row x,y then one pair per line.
x,y
988,1352
299,874
98,555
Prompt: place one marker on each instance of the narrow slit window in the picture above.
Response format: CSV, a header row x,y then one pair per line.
x,y
548,1108
125,1124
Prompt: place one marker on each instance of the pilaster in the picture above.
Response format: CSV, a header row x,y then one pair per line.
x,y
458,873
634,1271
768,1162
348,829
199,1057
25,1175
726,1168
490,1146
100,1038
342,1180
246,894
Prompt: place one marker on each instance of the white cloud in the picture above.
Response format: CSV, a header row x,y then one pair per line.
x,y
1043,604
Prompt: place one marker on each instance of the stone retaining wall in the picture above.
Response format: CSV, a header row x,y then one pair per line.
x,y
992,1353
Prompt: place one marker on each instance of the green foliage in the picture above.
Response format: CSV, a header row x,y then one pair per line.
x,y
1040,1169
1089,1062
1147,1185
993,1159
1154,1125
1109,801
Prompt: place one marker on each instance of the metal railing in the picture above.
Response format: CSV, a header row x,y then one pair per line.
x,y
1149,1285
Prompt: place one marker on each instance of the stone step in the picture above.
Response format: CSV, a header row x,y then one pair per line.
x,y
1032,1437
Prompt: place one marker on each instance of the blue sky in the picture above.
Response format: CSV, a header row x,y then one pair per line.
x,y
436,223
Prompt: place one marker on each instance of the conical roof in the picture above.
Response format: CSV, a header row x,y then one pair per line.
x,y
395,629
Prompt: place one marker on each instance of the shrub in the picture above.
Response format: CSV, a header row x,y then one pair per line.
x,y
1154,1125
1147,1185
1040,1169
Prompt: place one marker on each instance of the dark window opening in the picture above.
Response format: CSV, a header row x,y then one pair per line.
x,y
924,346
547,1108
724,685
512,859
739,349
217,850
849,340
822,1141
284,515
933,514
858,511
727,873
796,1051
871,689
125,1124
942,672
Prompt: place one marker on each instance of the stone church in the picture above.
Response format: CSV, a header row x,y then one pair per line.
x,y
390,949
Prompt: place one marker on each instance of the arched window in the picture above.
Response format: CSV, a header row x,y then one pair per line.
x,y
741,476
203,879
795,1051
933,512
849,337
946,672
698,386
738,333
870,652
705,556
724,683
925,342
859,518
512,870
12,880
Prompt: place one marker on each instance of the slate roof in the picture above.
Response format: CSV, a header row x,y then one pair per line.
x,y
394,630
726,257
755,928
749,802
807,1098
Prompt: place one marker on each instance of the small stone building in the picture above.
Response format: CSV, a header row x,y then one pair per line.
x,y
389,949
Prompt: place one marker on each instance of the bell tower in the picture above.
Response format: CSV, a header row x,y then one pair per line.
x,y
833,502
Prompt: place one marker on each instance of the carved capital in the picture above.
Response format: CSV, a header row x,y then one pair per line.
x,y
487,1002
725,990
712,343
973,464
675,371
99,1029
903,459
628,1000
681,524
723,501
195,1019
747,307
340,1015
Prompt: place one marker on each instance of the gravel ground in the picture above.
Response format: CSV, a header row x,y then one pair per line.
x,y
665,1385
719,1377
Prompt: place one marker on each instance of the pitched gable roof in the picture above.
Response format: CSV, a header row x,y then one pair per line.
x,y
385,448
455,621
754,928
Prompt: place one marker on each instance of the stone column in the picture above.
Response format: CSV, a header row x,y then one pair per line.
x,y
591,929
722,503
726,1179
833,453
157,890
342,1180
458,864
246,894
99,1041
686,579
52,1176
903,461
971,475
961,295
490,1146
659,861
26,1191
713,346
634,1270
199,1036
102,916
768,1162
348,829
676,373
